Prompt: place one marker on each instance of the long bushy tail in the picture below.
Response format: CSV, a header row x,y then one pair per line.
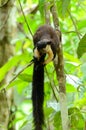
x,y
38,95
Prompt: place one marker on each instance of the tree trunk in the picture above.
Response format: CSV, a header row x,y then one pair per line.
x,y
59,67
7,32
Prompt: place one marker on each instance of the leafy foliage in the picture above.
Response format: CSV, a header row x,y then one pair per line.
x,y
72,18
82,46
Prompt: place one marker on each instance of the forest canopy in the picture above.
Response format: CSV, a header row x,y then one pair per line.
x,y
29,15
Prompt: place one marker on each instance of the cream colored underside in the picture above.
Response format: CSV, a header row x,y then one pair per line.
x,y
46,50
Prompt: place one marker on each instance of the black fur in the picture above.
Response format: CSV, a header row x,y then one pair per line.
x,y
42,44
38,93
45,35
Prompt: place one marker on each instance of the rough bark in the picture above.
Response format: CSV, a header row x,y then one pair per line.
x,y
7,32
59,67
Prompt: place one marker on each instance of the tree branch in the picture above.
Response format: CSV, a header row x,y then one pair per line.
x,y
52,85
47,12
18,74
74,24
60,73
25,19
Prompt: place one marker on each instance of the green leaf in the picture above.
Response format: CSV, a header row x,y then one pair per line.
x,y
76,118
82,46
8,66
57,121
65,5
41,7
54,105
71,58
82,24
73,80
81,102
14,83
70,88
25,77
48,111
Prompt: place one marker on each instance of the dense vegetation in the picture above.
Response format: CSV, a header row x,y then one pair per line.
x,y
72,18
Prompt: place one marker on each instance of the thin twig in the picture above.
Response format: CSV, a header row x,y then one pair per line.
x,y
52,85
5,21
47,20
19,73
54,15
22,31
25,19
72,32
47,12
74,24
2,4
79,84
